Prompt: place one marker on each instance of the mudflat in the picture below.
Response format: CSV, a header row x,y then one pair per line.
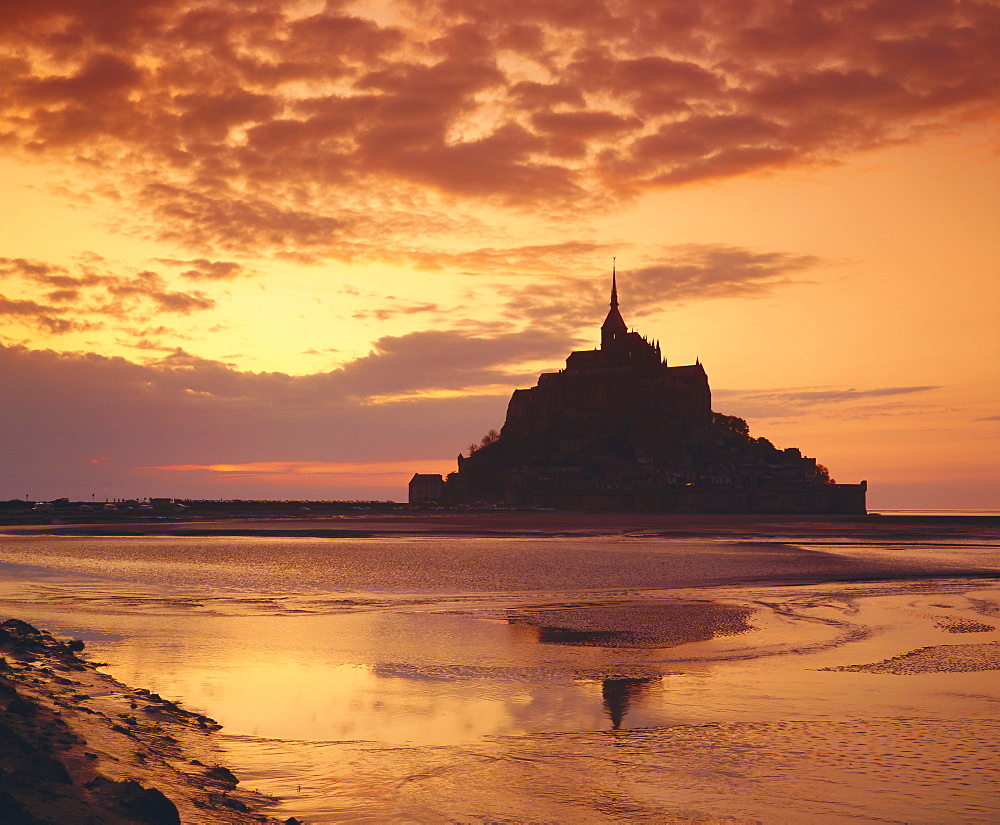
x,y
78,746
503,666
868,528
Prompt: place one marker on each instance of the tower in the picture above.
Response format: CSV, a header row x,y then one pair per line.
x,y
613,330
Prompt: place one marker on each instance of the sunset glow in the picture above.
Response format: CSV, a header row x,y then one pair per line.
x,y
302,249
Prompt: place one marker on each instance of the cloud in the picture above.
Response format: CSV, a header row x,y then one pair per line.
x,y
689,272
232,222
151,286
182,410
273,129
670,275
102,79
90,289
849,401
569,132
202,269
417,365
395,309
329,479
46,317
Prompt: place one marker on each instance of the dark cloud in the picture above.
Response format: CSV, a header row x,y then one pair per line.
x,y
91,288
691,272
445,360
569,132
58,295
211,115
787,403
103,79
202,269
46,273
260,129
227,221
850,394
678,274
533,96
501,165
151,286
395,309
46,317
184,409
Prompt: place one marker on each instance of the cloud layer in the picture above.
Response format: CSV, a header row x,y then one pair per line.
x,y
96,294
849,402
85,422
324,131
194,427
419,135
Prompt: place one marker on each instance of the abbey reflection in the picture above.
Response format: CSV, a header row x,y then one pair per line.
x,y
618,694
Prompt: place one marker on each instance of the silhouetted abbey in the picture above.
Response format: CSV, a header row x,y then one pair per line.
x,y
618,429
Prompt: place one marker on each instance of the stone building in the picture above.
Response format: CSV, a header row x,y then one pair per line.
x,y
425,488
620,429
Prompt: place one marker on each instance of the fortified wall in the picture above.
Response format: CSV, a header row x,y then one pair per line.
x,y
619,429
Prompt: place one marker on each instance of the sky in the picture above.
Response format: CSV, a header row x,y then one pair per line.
x,y
295,250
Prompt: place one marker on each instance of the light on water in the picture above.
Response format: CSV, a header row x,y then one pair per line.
x,y
594,679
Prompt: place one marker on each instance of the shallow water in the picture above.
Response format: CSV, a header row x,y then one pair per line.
x,y
411,678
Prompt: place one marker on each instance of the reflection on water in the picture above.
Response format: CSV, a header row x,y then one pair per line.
x,y
618,695
583,680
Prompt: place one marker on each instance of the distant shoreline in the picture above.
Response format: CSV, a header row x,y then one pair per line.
x,y
512,524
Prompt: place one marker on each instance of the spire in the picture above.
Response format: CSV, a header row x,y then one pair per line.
x,y
613,329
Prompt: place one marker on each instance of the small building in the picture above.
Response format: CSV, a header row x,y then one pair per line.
x,y
425,487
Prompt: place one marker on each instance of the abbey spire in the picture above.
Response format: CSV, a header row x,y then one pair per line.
x,y
613,329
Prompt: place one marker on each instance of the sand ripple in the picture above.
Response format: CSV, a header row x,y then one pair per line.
x,y
935,659
958,624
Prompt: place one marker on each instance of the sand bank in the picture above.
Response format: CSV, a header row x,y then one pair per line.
x,y
936,659
870,528
77,746
655,625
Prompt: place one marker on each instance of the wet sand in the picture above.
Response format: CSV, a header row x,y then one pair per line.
x,y
937,659
76,746
868,528
637,625
504,666
777,705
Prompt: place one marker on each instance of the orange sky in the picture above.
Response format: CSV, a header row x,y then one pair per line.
x,y
302,249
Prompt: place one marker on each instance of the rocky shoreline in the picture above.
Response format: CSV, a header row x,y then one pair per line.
x,y
78,746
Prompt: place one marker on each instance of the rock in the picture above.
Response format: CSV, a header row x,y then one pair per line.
x,y
13,812
223,775
21,707
19,629
147,806
228,802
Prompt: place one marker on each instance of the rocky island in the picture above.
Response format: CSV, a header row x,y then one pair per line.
x,y
619,429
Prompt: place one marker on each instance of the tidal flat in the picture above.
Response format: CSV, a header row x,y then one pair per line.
x,y
552,668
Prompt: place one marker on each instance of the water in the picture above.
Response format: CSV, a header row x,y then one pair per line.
x,y
429,679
